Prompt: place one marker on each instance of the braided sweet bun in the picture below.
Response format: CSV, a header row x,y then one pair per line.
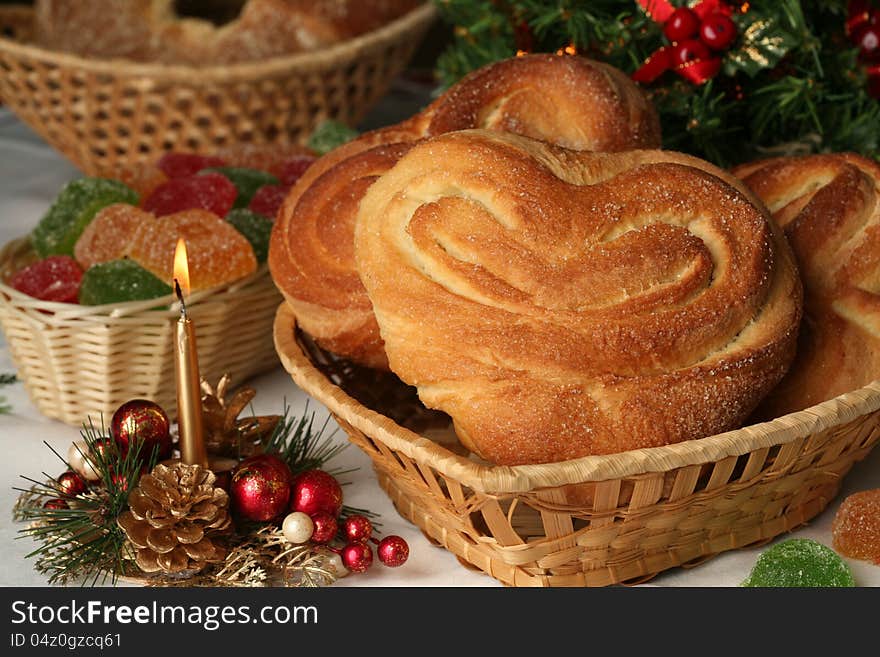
x,y
558,304
163,31
569,101
829,208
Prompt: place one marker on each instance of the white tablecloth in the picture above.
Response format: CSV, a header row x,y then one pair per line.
x,y
30,176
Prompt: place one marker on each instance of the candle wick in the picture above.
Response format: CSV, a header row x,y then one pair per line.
x,y
179,294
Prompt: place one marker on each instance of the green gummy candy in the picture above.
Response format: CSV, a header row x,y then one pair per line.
x,y
73,209
799,562
118,281
255,227
329,135
246,181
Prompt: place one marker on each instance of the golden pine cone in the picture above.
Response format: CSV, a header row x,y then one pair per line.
x,y
171,514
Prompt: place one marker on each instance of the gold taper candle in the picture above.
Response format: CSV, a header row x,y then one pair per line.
x,y
186,369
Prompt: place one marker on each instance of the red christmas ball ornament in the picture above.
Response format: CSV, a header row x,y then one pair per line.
x,y
103,449
868,41
142,422
357,557
682,24
393,551
325,527
55,504
260,488
689,51
120,480
71,483
357,529
315,491
717,31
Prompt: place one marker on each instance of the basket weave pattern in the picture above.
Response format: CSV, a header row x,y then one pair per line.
x,y
603,520
85,361
107,116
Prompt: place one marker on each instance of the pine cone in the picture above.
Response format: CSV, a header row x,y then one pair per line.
x,y
225,433
171,516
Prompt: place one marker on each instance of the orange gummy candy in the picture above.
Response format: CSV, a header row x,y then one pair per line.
x,y
108,235
855,530
216,252
143,178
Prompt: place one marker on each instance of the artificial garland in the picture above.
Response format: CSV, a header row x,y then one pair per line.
x,y
125,507
731,81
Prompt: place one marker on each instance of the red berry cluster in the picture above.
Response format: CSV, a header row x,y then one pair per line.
x,y
694,39
357,555
863,29
263,489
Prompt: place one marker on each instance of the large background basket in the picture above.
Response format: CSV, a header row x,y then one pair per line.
x,y
596,520
80,361
106,116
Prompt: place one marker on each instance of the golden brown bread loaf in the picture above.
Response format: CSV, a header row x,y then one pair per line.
x,y
558,304
570,101
155,30
829,207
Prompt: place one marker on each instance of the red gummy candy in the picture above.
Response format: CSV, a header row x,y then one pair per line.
x,y
291,170
206,191
268,199
55,278
180,165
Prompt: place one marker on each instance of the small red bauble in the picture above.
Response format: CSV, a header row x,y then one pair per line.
x,y
260,488
393,551
689,51
55,504
357,557
868,40
325,528
315,491
71,483
682,24
357,529
142,422
717,31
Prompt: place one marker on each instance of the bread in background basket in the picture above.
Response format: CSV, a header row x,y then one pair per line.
x,y
571,101
86,302
205,32
110,115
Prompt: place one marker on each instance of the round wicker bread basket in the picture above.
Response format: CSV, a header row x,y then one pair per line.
x,y
597,520
106,116
78,362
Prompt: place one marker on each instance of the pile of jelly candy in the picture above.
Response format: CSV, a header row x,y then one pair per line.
x,y
799,562
110,241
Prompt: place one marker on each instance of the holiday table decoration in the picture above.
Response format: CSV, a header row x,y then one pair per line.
x,y
731,80
108,115
118,511
92,284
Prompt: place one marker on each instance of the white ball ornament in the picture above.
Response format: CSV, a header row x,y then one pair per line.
x,y
334,564
78,461
297,527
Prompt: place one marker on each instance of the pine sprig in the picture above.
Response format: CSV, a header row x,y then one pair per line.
x,y
302,444
790,84
83,542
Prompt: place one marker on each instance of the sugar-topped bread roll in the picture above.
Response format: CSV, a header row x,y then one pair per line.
x,y
558,303
571,101
829,207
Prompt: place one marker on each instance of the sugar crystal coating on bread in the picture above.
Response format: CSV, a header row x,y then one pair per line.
x,y
560,303
565,100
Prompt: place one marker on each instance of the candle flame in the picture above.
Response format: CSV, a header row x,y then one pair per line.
x,y
181,266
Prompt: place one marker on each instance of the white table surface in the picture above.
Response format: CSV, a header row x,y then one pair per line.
x,y
30,175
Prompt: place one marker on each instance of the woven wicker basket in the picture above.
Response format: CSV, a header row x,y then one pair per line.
x,y
597,520
80,361
106,116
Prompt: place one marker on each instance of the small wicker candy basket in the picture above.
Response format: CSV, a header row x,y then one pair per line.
x,y
80,362
107,116
597,520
